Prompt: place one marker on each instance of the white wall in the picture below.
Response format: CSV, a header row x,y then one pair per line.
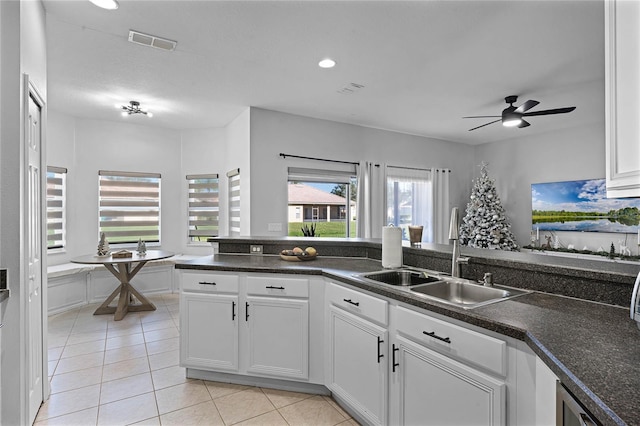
x,y
275,132
572,154
86,146
203,151
239,153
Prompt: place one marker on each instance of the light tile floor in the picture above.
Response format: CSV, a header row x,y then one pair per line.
x,y
106,372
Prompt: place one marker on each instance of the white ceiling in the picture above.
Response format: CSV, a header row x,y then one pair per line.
x,y
423,64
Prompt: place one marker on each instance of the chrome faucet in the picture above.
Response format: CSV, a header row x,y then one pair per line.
x,y
454,235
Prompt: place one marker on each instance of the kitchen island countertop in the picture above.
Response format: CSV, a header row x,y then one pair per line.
x,y
593,348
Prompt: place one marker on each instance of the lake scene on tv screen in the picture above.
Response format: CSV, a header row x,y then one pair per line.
x,y
583,206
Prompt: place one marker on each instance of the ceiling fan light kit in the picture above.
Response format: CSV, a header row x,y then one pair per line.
x,y
512,116
133,108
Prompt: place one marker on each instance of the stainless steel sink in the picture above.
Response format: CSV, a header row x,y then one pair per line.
x,y
401,277
465,294
441,287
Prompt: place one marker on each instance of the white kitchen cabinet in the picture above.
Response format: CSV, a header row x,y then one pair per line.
x,y
357,352
359,372
429,388
439,373
277,327
254,325
209,321
209,331
622,103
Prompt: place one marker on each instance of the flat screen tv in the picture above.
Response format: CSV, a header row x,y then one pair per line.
x,y
582,206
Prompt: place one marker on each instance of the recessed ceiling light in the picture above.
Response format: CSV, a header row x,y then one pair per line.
x,y
106,4
327,63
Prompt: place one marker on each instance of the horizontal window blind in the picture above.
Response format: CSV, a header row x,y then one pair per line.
x,y
129,206
234,202
203,207
56,207
298,174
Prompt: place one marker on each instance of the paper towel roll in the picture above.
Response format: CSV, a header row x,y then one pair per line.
x,y
391,247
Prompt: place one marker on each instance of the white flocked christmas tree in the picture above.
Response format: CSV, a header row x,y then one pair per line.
x,y
485,224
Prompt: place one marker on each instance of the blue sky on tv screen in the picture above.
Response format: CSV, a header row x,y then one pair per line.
x,y
577,196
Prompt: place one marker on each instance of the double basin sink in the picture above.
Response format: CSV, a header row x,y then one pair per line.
x,y
442,288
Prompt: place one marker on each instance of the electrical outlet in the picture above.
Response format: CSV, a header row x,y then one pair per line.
x,y
255,249
3,279
274,227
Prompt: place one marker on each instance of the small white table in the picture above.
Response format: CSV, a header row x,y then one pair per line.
x,y
124,270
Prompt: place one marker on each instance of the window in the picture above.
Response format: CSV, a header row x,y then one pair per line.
x,y
234,202
409,199
203,207
129,205
325,199
56,207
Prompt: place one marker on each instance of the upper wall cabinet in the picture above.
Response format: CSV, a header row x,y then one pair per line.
x,y
622,97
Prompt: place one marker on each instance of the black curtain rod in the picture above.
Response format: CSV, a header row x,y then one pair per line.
x,y
317,159
416,168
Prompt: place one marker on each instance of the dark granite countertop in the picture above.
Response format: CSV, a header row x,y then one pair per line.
x,y
593,348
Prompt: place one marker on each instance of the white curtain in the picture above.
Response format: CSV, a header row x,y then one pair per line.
x,y
417,182
371,185
441,207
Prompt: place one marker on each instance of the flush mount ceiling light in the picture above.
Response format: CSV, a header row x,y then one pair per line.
x,y
132,109
327,63
106,4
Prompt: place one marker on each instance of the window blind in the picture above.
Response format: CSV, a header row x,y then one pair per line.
x,y
56,207
203,207
129,206
299,174
234,202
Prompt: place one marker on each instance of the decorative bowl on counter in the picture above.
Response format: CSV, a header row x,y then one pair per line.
x,y
299,255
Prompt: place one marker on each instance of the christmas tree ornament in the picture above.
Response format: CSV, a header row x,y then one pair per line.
x,y
485,224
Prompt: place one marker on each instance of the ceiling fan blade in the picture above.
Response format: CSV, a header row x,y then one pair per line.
x,y
484,116
526,106
549,111
523,124
486,124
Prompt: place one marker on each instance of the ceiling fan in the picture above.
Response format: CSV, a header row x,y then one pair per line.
x,y
512,116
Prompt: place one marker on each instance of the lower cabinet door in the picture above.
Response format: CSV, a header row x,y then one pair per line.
x,y
358,364
429,388
209,331
278,337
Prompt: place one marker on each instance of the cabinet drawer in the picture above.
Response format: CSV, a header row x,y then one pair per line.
x,y
278,286
361,304
454,340
209,282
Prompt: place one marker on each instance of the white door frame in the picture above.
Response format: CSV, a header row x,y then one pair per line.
x,y
30,91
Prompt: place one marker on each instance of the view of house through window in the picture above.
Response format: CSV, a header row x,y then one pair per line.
x,y
324,204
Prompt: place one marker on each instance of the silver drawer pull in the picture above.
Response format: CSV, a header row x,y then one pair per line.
x,y
435,336
207,283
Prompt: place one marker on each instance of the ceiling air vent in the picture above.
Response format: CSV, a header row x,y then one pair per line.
x,y
350,89
151,41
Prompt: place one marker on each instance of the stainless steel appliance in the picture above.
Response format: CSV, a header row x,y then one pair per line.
x,y
569,412
635,302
